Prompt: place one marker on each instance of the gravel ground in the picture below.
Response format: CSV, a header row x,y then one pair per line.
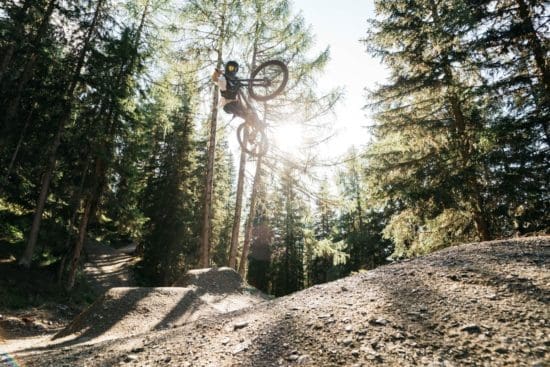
x,y
480,304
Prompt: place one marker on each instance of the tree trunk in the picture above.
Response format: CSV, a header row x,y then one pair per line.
x,y
204,251
101,166
465,145
78,245
536,45
481,226
91,204
19,142
37,218
238,207
102,160
46,180
358,203
209,183
243,265
480,222
242,165
75,201
8,54
541,62
102,157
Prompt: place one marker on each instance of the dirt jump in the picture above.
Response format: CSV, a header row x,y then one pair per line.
x,y
128,311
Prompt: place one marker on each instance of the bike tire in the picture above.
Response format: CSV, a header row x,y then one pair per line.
x,y
275,71
256,147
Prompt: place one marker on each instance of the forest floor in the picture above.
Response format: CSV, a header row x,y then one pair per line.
x,y
479,304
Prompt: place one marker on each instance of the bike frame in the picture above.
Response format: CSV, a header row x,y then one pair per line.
x,y
254,82
248,105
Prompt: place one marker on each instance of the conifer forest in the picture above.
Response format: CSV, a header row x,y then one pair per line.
x,y
111,133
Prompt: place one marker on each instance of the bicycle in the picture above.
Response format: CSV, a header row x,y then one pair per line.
x,y
266,81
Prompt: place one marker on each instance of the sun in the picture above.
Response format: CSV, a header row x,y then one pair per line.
x,y
287,138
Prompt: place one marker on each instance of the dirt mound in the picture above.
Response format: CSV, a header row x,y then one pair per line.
x,y
481,304
215,280
128,311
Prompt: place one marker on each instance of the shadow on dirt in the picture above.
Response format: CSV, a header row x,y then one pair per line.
x,y
189,304
82,325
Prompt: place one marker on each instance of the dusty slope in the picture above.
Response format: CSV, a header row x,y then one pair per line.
x,y
128,311
481,304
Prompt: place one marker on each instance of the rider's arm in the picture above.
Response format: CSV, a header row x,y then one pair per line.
x,y
216,75
219,79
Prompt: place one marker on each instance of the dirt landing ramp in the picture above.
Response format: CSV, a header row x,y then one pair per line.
x,y
129,311
215,280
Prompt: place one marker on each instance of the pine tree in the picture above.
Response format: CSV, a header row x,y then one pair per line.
x,y
89,34
510,49
427,156
171,198
223,201
211,27
277,32
288,247
360,221
461,138
325,217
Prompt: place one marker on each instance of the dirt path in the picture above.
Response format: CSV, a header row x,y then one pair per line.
x,y
481,304
107,267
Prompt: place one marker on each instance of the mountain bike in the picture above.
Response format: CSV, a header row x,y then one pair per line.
x,y
266,81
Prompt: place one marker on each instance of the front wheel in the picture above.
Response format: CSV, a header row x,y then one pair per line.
x,y
273,75
252,139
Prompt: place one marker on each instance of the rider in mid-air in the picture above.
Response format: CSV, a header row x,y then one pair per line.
x,y
266,81
229,87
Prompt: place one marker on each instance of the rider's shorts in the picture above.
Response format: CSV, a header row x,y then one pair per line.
x,y
235,108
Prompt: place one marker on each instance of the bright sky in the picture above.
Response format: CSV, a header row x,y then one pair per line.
x,y
340,25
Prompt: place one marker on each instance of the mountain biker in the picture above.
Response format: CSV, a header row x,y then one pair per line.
x,y
229,87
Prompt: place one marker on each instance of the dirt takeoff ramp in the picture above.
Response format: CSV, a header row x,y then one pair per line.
x,y
126,311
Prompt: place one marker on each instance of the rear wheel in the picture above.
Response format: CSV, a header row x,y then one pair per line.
x,y
274,73
252,139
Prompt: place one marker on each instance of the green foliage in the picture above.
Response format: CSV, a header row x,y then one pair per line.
x,y
448,228
9,231
361,219
38,287
171,202
275,31
223,206
454,128
327,261
287,262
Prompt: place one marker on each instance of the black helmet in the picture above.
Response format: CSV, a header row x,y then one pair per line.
x,y
231,67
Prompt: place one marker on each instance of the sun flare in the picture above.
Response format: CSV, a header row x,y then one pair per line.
x,y
288,138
